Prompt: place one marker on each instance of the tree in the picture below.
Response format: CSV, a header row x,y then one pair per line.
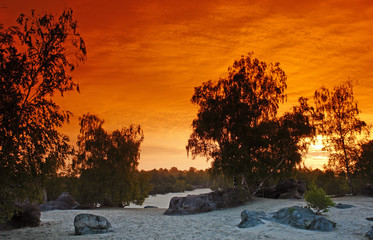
x,y
36,60
107,164
364,167
237,124
336,113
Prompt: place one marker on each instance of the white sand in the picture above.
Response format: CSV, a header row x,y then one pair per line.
x,y
222,224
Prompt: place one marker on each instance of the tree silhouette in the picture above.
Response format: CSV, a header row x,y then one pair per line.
x,y
364,167
337,112
107,164
36,59
237,126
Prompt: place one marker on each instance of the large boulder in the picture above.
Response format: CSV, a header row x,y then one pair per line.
x,y
303,218
91,224
251,219
64,202
368,190
285,189
206,202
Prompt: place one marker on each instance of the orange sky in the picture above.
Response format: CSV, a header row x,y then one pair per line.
x,y
146,57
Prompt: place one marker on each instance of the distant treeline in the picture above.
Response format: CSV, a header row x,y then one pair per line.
x,y
174,180
164,181
160,181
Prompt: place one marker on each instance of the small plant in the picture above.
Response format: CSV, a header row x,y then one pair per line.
x,y
291,210
317,199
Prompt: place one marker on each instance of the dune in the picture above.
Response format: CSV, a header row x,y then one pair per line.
x,y
132,223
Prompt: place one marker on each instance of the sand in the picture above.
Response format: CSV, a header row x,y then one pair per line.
x,y
222,224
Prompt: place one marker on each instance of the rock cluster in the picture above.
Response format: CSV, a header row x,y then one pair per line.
x,y
303,218
298,217
91,224
285,189
206,202
64,202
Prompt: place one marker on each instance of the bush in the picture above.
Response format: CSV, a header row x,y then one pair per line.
x,y
27,216
317,199
189,187
179,186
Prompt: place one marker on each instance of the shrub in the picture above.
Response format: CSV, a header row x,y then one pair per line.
x,y
27,216
179,186
189,187
317,199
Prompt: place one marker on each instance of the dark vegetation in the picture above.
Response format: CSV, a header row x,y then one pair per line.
x,y
159,181
106,163
237,127
174,180
36,60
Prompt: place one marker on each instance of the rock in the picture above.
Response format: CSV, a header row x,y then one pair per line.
x,y
368,190
298,217
29,216
191,204
251,218
343,206
206,202
91,224
370,233
322,224
64,202
303,218
285,189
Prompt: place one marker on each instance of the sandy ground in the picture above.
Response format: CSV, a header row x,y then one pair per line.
x,y
222,224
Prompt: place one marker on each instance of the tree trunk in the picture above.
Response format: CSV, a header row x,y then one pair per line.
x,y
267,178
244,183
349,180
45,199
348,173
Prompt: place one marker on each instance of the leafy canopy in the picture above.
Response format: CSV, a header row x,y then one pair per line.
x,y
338,123
36,60
237,124
107,164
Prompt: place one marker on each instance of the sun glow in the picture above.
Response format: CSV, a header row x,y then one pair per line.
x,y
316,157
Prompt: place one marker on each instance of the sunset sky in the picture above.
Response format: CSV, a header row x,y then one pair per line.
x,y
146,57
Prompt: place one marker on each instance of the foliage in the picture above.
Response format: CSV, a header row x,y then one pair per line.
x,y
364,167
107,164
219,181
330,182
336,112
174,180
62,183
237,127
317,199
36,60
